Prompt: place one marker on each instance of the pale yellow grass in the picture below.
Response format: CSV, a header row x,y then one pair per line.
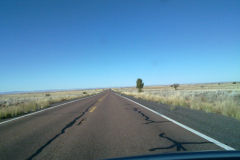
x,y
221,98
16,104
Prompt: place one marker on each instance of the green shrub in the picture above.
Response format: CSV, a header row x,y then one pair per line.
x,y
175,86
47,94
139,84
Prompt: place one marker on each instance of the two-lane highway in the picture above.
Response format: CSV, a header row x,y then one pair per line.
x,y
99,127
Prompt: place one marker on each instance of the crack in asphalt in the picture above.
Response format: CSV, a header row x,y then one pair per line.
x,y
81,121
70,124
177,144
146,117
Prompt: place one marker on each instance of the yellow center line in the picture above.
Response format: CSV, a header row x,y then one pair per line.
x,y
100,99
92,109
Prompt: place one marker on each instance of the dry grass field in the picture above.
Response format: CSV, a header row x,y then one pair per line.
x,y
12,105
222,98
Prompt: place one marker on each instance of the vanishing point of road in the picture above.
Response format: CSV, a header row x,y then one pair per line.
x,y
99,127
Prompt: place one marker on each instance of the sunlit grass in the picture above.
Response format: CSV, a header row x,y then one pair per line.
x,y
17,104
223,98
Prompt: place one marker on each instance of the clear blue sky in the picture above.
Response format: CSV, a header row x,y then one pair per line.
x,y
64,44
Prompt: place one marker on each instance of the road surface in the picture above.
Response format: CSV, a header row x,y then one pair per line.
x,y
100,127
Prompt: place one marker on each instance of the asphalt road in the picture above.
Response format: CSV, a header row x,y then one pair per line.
x,y
99,127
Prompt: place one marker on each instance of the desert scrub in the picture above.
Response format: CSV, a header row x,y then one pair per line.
x,y
222,99
17,104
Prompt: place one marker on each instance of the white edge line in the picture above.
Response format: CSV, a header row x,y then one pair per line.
x,y
29,114
224,146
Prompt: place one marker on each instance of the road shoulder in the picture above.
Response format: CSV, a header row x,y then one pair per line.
x,y
221,128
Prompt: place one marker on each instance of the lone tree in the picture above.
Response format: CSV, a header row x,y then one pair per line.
x,y
139,85
175,86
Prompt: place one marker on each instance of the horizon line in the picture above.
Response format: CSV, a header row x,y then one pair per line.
x,y
72,89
